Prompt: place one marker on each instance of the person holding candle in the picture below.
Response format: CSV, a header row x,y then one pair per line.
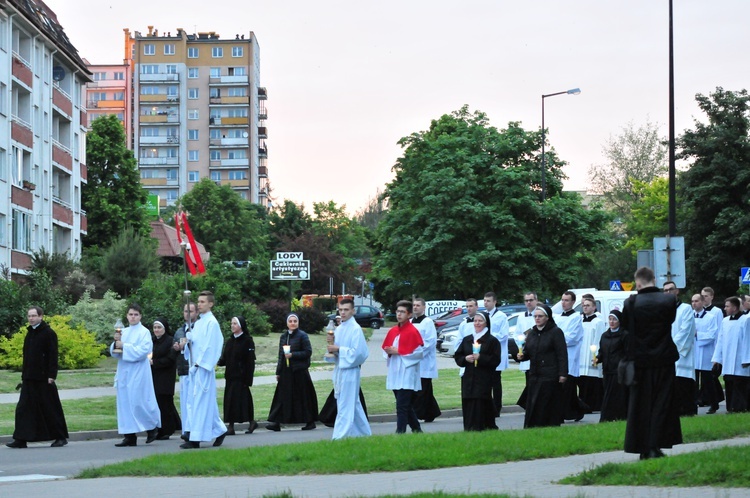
x,y
137,409
479,353
611,351
163,371
294,401
548,370
403,349
239,359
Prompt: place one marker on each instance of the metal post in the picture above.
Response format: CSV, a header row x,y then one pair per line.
x,y
544,162
672,208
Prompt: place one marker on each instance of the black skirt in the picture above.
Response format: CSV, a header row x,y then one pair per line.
x,y
170,419
39,413
238,403
425,405
294,401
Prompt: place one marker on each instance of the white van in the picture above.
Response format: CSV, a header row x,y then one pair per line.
x,y
606,300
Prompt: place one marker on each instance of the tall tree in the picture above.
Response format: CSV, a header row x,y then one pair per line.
x,y
636,155
228,225
128,261
113,196
649,214
464,215
370,215
288,221
715,191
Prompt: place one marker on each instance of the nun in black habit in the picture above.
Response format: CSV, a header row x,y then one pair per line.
x,y
239,359
611,351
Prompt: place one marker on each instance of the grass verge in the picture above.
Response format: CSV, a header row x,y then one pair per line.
x,y
393,453
722,467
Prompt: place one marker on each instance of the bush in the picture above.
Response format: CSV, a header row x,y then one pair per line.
x,y
77,347
98,315
13,310
257,321
129,261
276,311
324,303
311,320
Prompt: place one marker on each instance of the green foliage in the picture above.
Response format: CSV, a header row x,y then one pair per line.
x,y
128,261
324,303
464,216
287,221
77,347
715,191
113,196
649,214
229,226
98,315
276,311
40,291
311,320
13,310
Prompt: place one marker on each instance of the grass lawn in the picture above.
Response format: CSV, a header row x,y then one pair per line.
x,y
723,467
411,451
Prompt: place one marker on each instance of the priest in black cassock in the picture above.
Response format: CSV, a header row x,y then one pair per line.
x,y
39,414
653,416
476,383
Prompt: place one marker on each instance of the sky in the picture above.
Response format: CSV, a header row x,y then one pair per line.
x,y
346,80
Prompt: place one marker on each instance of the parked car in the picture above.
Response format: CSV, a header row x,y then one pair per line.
x,y
365,316
448,338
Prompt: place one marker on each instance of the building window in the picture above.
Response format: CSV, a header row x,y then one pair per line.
x,y
172,152
192,176
169,49
242,194
119,75
100,76
171,174
192,155
147,174
193,53
236,133
149,68
192,93
215,155
149,131
216,176
149,49
192,113
3,164
237,113
214,133
171,196
149,90
3,95
237,51
192,134
214,92
21,231
215,72
118,96
192,72
217,52
237,91
237,71
237,154
237,175
2,230
172,91
171,68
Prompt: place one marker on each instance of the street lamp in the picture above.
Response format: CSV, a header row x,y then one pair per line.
x,y
572,91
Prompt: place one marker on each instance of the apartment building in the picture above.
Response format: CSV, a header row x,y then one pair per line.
x,y
198,112
42,136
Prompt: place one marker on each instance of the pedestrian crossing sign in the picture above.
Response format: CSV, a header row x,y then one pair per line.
x,y
615,285
745,275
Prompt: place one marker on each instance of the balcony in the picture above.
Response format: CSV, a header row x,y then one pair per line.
x,y
159,97
228,142
105,104
159,140
262,95
159,77
263,171
236,183
230,163
263,113
262,132
153,182
159,117
263,151
228,101
229,80
158,161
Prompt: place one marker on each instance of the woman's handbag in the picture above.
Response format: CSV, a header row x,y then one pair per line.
x,y
626,372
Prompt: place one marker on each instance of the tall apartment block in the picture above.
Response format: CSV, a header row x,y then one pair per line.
x,y
42,136
198,111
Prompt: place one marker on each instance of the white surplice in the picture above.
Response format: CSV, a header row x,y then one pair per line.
x,y
732,348
707,326
572,327
683,336
403,371
428,366
592,333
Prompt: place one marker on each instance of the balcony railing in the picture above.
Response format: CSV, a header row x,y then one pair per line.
x,y
158,161
158,140
159,77
262,95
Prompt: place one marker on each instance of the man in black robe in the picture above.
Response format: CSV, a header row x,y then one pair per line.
x,y
653,418
39,414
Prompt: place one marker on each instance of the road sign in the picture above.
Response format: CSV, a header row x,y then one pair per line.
x,y
615,285
745,272
669,261
290,270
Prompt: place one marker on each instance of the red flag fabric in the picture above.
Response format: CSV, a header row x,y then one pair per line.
x,y
186,255
193,245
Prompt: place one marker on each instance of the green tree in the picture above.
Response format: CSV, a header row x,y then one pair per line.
x,y
13,310
649,214
636,155
715,191
112,197
228,225
128,261
288,221
464,215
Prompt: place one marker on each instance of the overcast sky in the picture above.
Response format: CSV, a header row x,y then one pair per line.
x,y
347,79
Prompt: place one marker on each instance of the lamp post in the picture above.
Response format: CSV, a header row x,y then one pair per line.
x,y
572,91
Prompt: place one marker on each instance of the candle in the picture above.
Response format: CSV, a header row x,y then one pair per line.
x,y
475,349
287,350
593,349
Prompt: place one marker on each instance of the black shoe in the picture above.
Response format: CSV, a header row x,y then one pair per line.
x,y
309,426
163,437
189,445
252,427
230,432
127,442
712,410
152,435
657,453
418,430
59,443
185,436
273,427
219,440
16,443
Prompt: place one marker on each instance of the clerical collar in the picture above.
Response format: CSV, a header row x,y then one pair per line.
x,y
569,312
529,313
736,316
469,319
418,319
589,318
34,327
709,307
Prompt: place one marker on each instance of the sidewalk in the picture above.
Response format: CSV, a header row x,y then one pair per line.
x,y
532,478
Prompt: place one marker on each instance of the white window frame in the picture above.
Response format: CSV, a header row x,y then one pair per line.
x,y
217,52
169,49
193,156
193,114
238,51
193,73
193,93
193,52
193,134
149,49
193,176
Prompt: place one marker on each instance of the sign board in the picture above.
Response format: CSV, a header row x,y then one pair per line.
x,y
645,258
434,307
152,206
745,275
669,261
290,270
289,256
615,285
